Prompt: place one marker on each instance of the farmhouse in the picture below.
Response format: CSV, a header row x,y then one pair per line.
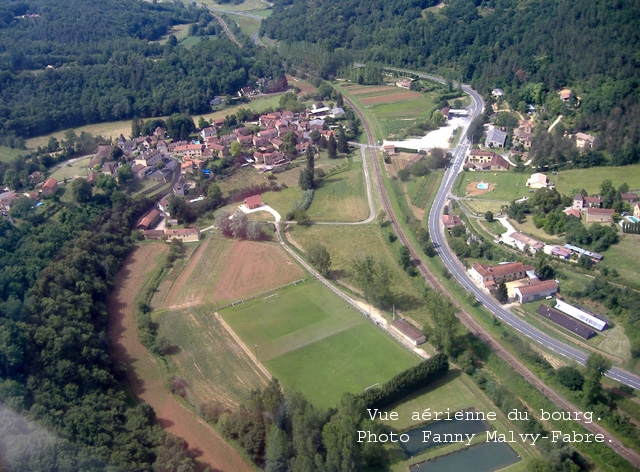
x,y
451,221
496,138
183,234
536,291
488,276
486,160
523,242
253,202
600,215
585,141
580,202
408,331
629,197
538,180
563,320
50,187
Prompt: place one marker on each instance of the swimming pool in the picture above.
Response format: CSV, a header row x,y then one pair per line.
x,y
633,219
483,186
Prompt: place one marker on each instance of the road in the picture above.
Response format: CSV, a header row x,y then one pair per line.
x,y
452,263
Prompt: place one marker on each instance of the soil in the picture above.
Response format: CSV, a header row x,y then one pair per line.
x,y
144,374
473,190
252,268
395,97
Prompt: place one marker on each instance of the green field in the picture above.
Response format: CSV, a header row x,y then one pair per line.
x,y
508,185
341,196
422,189
625,258
79,168
312,341
590,179
8,154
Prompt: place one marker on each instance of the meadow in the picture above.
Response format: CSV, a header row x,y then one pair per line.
x,y
8,154
312,341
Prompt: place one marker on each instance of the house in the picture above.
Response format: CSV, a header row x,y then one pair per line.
x,y
486,161
337,112
585,141
35,177
629,197
150,158
561,252
522,242
390,149
600,215
92,178
190,150
245,92
149,220
408,331
7,199
245,141
565,94
220,150
536,291
581,203
636,211
140,171
451,221
572,212
564,321
488,276
160,133
163,205
404,83
215,102
538,180
50,187
218,122
186,235
253,202
496,138
497,93
208,132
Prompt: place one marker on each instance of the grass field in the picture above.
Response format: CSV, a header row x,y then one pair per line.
x,y
207,352
179,31
346,242
421,189
341,196
590,179
625,258
79,168
508,185
312,341
8,154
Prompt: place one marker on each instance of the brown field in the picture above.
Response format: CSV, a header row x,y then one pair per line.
x,y
252,268
398,161
395,97
145,376
364,89
305,87
473,190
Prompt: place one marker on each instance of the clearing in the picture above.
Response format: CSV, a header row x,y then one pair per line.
x,y
145,375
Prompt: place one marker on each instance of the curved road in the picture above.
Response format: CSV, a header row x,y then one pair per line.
x,y
452,263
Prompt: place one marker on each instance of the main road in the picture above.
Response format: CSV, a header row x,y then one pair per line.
x,y
436,231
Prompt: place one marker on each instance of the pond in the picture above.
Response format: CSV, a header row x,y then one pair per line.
x,y
417,441
485,457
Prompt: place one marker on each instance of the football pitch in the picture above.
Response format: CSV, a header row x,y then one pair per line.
x,y
312,341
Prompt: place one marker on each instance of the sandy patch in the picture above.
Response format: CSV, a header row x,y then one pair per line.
x,y
472,189
252,268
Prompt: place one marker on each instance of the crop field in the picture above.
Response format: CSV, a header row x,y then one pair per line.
x,y
341,197
303,85
421,189
208,357
312,341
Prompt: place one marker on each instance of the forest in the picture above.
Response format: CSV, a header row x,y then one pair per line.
x,y
87,62
530,49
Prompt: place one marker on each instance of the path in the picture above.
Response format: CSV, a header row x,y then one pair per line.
x,y
146,378
553,125
226,29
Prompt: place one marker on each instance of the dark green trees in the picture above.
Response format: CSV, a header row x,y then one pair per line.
x,y
306,179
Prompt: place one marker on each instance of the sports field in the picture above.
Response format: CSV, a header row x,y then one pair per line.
x,y
311,340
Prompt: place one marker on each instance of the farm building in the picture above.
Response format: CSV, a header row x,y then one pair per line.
x,y
581,314
583,252
488,276
533,292
522,242
600,215
149,220
486,160
580,202
253,202
183,234
561,252
408,331
563,320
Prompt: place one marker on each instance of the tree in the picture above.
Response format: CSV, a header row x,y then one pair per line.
x,y
136,127
542,267
373,279
320,258
502,294
202,123
570,377
125,174
222,222
180,126
332,148
382,217
597,365
235,148
343,145
489,216
254,231
81,190
406,261
239,224
21,208
306,180
11,179
107,183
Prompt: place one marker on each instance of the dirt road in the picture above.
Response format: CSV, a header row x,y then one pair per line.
x,y
145,376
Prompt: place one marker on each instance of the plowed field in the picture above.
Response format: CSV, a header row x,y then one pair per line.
x,y
145,376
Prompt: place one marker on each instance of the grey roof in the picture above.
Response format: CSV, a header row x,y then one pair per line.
x,y
496,136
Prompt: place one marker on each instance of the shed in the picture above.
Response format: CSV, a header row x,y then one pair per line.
x,y
408,331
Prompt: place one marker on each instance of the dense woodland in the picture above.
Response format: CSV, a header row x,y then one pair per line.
x,y
530,49
104,68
